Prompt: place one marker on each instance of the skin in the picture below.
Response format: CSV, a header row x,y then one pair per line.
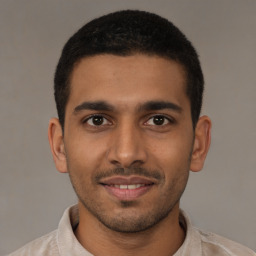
x,y
132,138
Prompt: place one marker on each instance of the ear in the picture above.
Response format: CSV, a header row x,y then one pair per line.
x,y
202,143
56,141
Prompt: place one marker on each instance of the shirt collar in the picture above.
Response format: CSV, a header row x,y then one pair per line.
x,y
192,242
67,241
69,245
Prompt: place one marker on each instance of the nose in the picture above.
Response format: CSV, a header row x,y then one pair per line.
x,y
127,147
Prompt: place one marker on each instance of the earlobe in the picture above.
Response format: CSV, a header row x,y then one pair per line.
x,y
202,143
55,137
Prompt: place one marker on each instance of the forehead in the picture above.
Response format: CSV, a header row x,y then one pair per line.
x,y
127,80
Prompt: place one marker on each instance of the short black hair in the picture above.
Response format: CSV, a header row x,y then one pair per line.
x,y
125,33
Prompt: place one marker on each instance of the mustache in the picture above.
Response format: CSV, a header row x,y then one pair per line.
x,y
155,174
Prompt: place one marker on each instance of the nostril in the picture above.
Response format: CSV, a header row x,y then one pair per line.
x,y
134,164
116,163
137,163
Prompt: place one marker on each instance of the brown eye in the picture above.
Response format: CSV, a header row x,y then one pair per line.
x,y
158,120
97,120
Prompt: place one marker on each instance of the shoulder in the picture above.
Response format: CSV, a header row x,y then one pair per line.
x,y
213,244
42,246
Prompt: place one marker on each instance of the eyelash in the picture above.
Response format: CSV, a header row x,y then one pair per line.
x,y
168,119
94,116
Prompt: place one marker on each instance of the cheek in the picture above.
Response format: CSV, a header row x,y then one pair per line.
x,y
83,155
172,150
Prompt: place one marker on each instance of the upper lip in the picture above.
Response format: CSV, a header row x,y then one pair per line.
x,y
121,180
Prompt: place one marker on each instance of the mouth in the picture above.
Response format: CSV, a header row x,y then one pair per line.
x,y
127,188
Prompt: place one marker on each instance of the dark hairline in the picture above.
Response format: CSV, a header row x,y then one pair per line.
x,y
135,32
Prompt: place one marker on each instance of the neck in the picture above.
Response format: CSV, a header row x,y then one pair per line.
x,y
164,238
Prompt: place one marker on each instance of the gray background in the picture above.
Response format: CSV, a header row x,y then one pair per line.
x,y
33,195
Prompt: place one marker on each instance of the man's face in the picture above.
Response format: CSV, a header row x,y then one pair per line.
x,y
128,138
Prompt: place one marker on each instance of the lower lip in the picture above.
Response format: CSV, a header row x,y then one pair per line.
x,y
127,194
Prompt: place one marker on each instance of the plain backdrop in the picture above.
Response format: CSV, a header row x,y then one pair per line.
x,y
33,195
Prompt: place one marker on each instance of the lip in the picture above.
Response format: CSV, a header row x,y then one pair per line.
x,y
121,180
127,194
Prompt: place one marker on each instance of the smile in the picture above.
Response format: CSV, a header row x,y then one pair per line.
x,y
132,186
127,188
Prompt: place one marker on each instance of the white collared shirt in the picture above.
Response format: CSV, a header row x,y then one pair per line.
x,y
63,242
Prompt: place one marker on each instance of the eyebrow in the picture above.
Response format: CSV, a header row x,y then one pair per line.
x,y
159,105
147,106
95,105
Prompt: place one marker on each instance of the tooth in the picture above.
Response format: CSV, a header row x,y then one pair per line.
x,y
133,186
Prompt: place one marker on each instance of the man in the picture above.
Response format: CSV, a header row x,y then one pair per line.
x,y
128,90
